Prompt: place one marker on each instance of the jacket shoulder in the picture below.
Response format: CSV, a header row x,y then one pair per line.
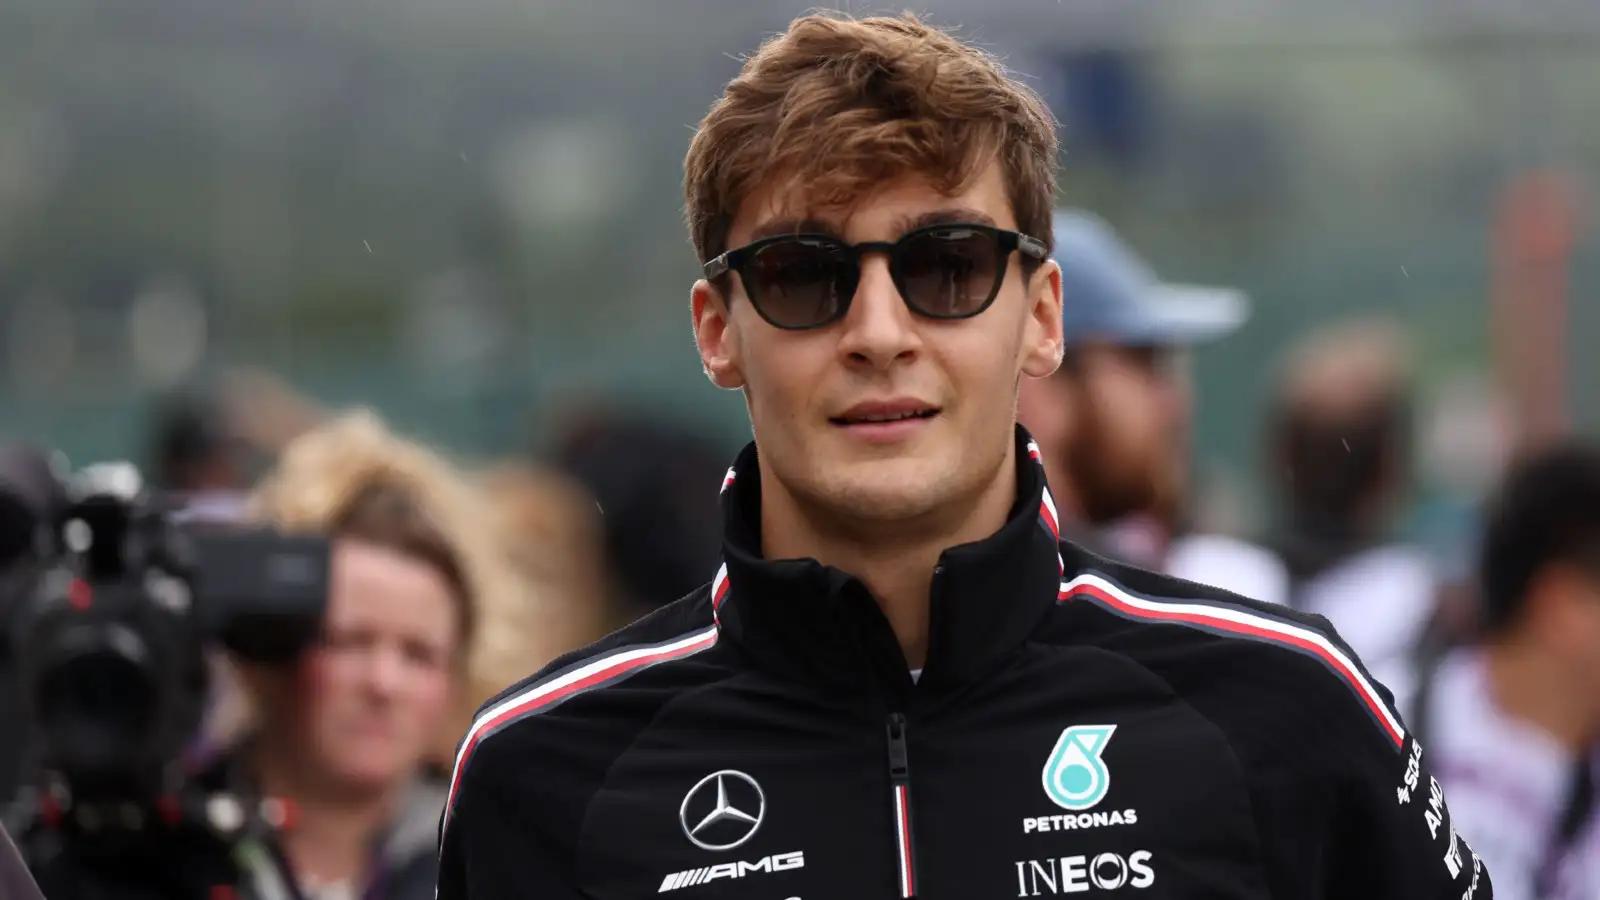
x,y
1246,663
649,640
536,755
585,706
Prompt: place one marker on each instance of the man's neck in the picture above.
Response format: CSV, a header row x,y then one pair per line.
x,y
331,838
894,560
1529,684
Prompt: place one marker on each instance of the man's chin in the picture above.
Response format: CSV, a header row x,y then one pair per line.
x,y
885,490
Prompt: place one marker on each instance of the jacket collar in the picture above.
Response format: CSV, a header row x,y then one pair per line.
x,y
816,623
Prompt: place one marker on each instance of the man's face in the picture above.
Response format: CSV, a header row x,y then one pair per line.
x,y
1121,431
809,392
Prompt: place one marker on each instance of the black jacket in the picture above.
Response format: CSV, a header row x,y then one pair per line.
x,y
1080,726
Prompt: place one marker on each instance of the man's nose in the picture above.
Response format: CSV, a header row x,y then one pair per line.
x,y
879,328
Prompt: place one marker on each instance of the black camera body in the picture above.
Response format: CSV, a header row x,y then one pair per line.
x,y
115,602
110,650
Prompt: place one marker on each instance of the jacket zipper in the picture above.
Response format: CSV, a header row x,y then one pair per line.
x,y
900,787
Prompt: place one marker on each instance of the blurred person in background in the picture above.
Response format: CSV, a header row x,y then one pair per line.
x,y
1114,421
1338,440
661,526
901,682
553,533
266,411
1512,726
1463,447
197,454
549,533
27,484
195,450
425,619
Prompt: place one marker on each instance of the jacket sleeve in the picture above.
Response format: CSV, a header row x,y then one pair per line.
x,y
492,847
1394,836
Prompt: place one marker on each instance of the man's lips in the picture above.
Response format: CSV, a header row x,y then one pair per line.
x,y
880,412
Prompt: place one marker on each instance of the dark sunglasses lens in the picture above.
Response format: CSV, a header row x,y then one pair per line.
x,y
800,283
950,272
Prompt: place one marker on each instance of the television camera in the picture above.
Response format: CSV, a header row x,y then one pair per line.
x,y
111,600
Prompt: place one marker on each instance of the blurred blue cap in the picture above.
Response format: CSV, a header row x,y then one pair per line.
x,y
1109,294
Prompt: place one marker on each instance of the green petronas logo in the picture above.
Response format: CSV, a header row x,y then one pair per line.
x,y
1075,777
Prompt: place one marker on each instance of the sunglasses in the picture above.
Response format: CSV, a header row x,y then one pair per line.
x,y
802,281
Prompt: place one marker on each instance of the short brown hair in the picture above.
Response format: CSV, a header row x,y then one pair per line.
x,y
838,104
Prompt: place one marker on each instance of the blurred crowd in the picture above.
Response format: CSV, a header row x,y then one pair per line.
x,y
1487,640
452,578
449,581
460,210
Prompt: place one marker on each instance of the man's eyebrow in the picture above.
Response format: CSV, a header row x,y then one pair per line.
x,y
948,216
778,227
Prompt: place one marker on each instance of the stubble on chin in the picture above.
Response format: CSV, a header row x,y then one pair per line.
x,y
899,492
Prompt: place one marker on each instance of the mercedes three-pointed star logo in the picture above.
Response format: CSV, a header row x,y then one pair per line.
x,y
723,810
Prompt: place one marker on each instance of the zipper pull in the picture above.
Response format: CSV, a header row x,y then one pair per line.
x,y
899,764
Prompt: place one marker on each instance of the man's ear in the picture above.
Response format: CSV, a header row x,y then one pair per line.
x,y
1041,339
715,337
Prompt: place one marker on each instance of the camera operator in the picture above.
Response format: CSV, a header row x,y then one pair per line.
x,y
26,481
325,753
338,739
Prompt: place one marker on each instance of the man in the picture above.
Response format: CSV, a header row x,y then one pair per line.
x,y
1338,435
661,529
1514,723
900,683
1113,421
194,448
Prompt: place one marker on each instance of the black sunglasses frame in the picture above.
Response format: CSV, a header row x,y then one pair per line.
x,y
1006,242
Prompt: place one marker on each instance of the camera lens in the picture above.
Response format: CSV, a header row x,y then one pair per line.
x,y
96,702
